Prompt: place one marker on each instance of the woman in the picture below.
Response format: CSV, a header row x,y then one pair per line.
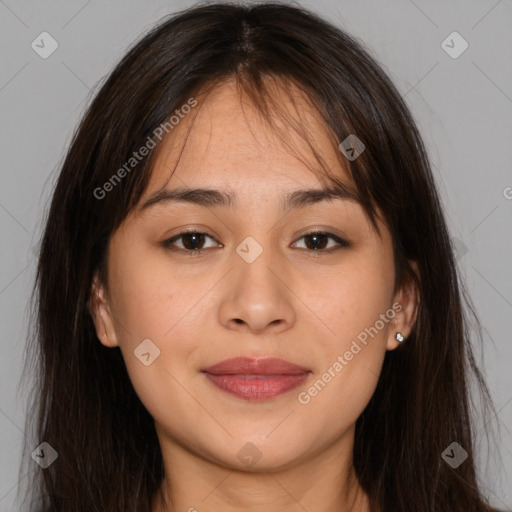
x,y
247,297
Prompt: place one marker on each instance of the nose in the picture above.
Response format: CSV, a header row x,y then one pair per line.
x,y
257,297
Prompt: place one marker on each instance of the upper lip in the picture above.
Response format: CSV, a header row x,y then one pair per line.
x,y
248,366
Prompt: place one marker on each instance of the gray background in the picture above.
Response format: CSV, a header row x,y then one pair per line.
x,y
463,107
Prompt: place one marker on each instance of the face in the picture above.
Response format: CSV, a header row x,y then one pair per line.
x,y
262,287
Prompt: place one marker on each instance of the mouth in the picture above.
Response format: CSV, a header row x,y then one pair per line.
x,y
256,379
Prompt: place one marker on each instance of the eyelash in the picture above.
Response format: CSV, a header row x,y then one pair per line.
x,y
167,244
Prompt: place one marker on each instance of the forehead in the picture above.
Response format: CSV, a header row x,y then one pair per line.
x,y
226,142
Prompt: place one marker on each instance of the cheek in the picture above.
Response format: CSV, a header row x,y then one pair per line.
x,y
153,302
351,304
145,303
151,297
352,297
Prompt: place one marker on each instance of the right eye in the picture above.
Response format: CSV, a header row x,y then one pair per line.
x,y
192,242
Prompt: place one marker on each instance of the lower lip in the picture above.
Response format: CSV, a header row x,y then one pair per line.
x,y
257,387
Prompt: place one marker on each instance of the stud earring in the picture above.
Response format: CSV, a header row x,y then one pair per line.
x,y
399,337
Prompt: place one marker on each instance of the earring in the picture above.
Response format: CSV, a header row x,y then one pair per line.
x,y
399,337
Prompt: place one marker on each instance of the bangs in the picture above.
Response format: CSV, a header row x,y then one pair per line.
x,y
290,122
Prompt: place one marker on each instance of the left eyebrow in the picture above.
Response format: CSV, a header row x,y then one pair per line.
x,y
211,197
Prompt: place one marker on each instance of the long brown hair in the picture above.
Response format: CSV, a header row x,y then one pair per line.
x,y
84,403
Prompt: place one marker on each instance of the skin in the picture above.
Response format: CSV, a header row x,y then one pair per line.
x,y
302,307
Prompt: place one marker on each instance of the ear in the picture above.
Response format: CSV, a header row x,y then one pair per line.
x,y
405,305
101,314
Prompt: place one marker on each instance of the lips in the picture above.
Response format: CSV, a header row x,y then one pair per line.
x,y
256,379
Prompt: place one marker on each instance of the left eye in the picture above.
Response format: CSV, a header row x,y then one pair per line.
x,y
318,241
193,241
